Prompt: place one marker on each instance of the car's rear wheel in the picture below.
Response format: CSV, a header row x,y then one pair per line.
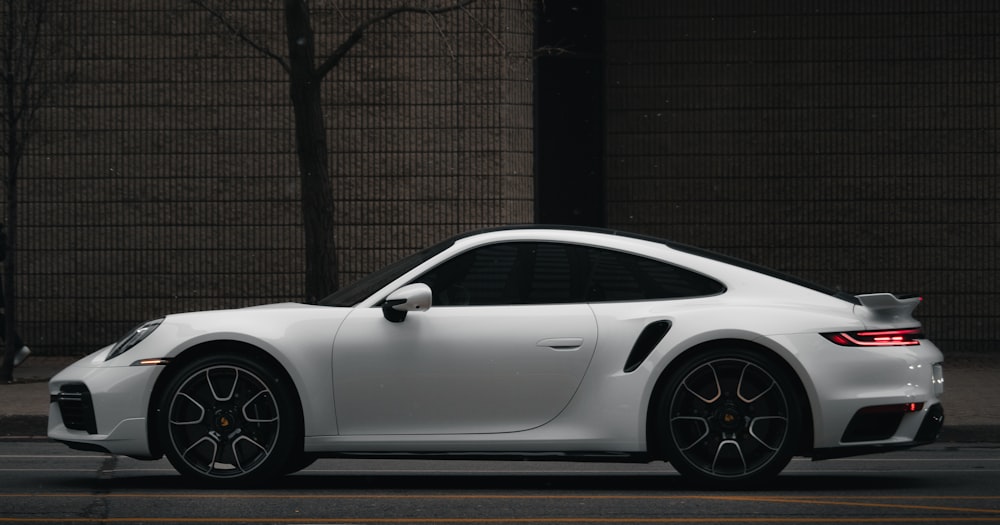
x,y
229,420
729,418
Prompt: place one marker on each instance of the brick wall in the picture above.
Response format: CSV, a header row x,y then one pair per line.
x,y
163,177
850,142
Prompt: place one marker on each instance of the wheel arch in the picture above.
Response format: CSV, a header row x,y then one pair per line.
x,y
655,450
208,348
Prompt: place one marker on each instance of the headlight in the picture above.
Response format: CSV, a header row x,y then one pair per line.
x,y
133,338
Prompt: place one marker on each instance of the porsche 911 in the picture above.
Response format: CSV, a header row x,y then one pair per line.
x,y
520,342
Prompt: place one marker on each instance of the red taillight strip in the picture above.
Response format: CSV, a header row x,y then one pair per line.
x,y
902,337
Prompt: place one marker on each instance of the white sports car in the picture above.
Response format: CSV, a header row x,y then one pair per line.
x,y
526,342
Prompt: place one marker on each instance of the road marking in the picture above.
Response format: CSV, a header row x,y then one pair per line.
x,y
954,514
751,498
345,521
846,502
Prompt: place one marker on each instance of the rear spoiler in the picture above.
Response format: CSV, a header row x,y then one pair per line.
x,y
887,306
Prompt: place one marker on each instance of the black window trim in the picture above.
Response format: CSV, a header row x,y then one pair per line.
x,y
576,259
693,250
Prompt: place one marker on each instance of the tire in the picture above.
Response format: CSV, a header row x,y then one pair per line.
x,y
297,462
729,418
227,420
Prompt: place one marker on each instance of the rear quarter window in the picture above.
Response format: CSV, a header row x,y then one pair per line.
x,y
618,276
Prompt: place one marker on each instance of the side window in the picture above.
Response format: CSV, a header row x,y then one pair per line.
x,y
620,276
504,274
551,278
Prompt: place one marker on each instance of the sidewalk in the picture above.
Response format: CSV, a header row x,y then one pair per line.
x,y
971,398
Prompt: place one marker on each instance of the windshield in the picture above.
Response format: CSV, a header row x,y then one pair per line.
x,y
359,290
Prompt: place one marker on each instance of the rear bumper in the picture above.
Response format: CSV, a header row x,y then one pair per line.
x,y
930,428
864,398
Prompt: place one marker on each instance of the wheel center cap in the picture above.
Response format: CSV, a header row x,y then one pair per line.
x,y
224,421
730,419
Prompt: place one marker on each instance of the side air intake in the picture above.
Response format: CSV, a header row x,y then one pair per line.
x,y
644,345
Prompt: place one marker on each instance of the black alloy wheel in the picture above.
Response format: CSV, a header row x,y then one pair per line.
x,y
729,418
228,420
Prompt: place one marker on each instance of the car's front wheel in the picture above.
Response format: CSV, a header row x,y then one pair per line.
x,y
228,420
729,418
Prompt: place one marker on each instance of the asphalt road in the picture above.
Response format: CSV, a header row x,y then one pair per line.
x,y
45,482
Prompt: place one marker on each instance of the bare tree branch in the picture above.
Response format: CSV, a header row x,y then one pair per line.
x,y
305,91
220,17
25,84
444,37
19,69
359,31
490,32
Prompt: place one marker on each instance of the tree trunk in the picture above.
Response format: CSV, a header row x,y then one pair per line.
x,y
310,140
317,192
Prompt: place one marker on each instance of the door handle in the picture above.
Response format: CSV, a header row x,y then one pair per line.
x,y
561,344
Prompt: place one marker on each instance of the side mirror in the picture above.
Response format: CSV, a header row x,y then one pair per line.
x,y
410,298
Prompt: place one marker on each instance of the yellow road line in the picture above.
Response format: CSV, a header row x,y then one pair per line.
x,y
846,519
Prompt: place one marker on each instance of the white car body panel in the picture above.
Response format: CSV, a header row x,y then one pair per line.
x,y
460,370
518,378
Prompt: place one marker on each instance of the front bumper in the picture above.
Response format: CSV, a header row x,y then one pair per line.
x,y
96,406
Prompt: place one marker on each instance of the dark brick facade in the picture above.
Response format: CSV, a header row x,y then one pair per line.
x,y
851,142
164,176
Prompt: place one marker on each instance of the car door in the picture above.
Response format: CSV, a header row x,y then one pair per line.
x,y
503,348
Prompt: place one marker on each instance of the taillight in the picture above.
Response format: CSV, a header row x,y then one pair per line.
x,y
902,337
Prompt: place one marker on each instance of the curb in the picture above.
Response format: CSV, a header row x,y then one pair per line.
x,y
969,434
14,427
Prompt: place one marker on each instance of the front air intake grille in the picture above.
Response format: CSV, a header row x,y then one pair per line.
x,y
76,407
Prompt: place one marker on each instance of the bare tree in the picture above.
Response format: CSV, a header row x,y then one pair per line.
x,y
306,71
25,89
